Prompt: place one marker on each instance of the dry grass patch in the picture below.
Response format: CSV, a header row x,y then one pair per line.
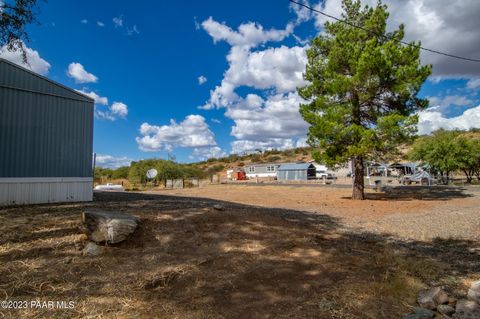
x,y
190,261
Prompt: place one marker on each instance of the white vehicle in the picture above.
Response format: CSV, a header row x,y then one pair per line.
x,y
324,175
321,172
109,187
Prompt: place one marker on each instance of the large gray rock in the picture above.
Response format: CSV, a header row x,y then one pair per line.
x,y
467,309
430,298
474,292
92,249
108,226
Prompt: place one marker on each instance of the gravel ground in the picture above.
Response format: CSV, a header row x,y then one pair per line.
x,y
412,213
448,222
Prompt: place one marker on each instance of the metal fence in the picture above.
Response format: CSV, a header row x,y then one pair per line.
x,y
190,182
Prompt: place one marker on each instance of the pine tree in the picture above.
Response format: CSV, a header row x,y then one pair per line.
x,y
362,91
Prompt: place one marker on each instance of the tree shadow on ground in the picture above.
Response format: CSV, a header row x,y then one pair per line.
x,y
407,193
190,260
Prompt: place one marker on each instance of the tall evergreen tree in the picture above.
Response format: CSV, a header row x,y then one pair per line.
x,y
362,91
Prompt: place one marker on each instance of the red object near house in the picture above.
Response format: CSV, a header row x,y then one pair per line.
x,y
241,176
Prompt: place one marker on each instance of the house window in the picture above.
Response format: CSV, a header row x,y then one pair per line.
x,y
251,169
270,168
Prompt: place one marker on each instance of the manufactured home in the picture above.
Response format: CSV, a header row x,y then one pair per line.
x,y
46,139
264,170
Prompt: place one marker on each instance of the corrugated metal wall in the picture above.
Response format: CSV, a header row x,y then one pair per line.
x,y
19,191
292,175
46,130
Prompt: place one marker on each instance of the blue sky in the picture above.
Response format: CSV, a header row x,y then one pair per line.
x,y
146,60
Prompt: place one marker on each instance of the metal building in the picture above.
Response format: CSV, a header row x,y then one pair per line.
x,y
46,139
296,172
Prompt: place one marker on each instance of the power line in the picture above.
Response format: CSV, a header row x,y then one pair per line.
x,y
383,36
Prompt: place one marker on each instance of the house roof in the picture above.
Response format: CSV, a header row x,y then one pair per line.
x,y
401,165
263,164
295,167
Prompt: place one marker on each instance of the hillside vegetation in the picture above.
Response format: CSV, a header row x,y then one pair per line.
x,y
442,153
135,175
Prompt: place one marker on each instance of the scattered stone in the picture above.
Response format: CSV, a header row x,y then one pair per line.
x,y
474,292
420,313
441,297
218,207
424,313
430,298
452,301
467,309
445,309
427,298
92,249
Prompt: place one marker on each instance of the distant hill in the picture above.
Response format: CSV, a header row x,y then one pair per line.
x,y
221,165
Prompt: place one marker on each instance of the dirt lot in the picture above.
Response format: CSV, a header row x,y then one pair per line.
x,y
419,213
297,257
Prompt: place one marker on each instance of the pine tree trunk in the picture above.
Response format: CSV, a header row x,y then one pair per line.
x,y
358,185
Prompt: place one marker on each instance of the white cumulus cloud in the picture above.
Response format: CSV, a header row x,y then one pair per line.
x,y
119,109
202,79
277,68
473,84
446,103
276,117
267,124
208,152
249,34
443,25
260,122
193,131
115,111
303,14
430,121
108,161
247,146
79,74
35,62
102,100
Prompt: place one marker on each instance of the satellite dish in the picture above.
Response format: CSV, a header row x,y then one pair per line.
x,y
152,173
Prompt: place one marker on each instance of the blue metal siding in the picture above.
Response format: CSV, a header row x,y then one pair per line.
x,y
293,175
46,129
299,171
